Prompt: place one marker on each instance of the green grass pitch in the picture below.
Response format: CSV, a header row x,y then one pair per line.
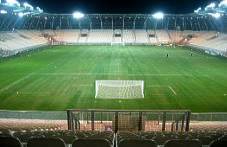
x,y
63,77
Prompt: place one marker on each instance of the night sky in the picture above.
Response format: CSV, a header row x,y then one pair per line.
x,y
119,6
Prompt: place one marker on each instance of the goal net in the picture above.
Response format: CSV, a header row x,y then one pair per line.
x,y
119,89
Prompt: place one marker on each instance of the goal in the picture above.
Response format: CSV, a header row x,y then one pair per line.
x,y
119,89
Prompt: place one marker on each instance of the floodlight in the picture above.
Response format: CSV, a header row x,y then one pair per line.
x,y
78,15
39,9
158,15
215,15
12,3
223,3
198,10
20,14
28,6
3,12
210,6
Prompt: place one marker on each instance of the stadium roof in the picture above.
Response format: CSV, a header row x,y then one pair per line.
x,y
18,8
15,7
115,6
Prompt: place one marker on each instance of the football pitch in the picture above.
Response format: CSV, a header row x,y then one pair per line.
x,y
63,77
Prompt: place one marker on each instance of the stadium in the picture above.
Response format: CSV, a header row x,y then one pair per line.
x,y
113,79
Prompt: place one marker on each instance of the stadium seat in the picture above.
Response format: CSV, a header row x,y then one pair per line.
x,y
206,140
91,143
8,141
224,137
46,142
183,143
219,143
137,143
161,139
25,137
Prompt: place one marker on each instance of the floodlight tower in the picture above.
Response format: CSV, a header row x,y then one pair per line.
x,y
21,14
28,6
12,3
78,15
211,6
3,12
157,16
223,3
215,15
198,10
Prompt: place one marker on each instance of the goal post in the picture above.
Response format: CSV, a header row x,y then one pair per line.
x,y
119,89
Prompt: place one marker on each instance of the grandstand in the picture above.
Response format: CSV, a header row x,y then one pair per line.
x,y
112,80
212,41
108,29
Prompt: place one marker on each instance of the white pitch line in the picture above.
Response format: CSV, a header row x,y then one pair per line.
x,y
15,83
225,94
34,93
157,86
85,85
113,74
158,94
171,88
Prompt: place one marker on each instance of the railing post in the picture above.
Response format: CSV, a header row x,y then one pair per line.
x,y
87,118
116,122
69,120
188,118
140,121
177,125
164,121
172,126
92,120
101,118
182,123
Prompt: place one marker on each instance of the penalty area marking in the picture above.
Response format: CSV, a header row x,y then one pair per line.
x,y
85,85
160,86
15,82
113,74
171,88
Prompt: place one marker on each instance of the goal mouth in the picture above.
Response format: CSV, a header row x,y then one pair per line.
x,y
119,89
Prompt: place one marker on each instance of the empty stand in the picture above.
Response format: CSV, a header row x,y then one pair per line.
x,y
128,37
7,141
15,42
141,37
183,143
67,36
91,143
109,139
219,143
20,41
162,36
100,36
67,136
137,143
46,142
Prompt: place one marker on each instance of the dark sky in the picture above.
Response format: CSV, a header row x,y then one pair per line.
x,y
119,6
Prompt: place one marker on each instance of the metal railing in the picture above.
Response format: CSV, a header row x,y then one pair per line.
x,y
125,120
117,120
219,116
